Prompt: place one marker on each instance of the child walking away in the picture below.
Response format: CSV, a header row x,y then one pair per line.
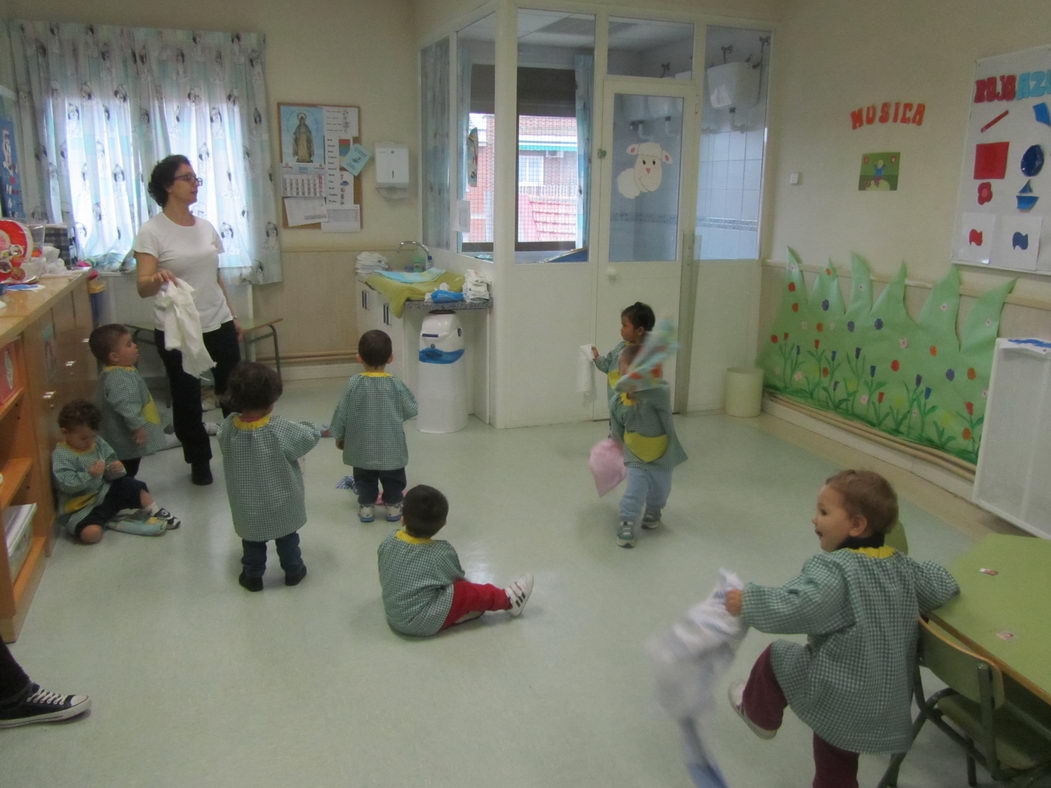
x,y
635,321
264,482
424,589
93,489
367,426
858,603
642,421
130,422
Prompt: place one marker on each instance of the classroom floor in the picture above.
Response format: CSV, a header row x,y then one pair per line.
x,y
197,682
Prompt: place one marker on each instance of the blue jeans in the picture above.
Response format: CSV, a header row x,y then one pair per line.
x,y
368,483
647,487
254,557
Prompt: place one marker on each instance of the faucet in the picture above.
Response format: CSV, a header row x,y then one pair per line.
x,y
417,244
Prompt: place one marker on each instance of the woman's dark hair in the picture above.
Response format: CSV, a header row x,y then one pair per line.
x,y
424,510
163,176
79,413
640,315
252,386
374,348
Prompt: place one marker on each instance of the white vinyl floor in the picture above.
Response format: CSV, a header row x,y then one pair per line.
x,y
197,682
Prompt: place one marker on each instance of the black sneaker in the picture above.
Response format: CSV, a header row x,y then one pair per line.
x,y
293,578
43,706
171,522
201,473
251,583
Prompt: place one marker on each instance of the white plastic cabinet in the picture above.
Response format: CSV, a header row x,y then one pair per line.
x,y
374,312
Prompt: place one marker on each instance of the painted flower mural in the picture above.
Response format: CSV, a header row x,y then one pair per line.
x,y
916,378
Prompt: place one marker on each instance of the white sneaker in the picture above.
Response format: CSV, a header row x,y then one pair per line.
x,y
518,592
393,512
626,534
366,513
736,695
651,519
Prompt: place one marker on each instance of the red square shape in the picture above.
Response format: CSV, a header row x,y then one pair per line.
x,y
990,160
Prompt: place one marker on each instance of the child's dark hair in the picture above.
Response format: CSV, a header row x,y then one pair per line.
x,y
163,176
79,413
424,511
252,386
103,340
869,495
374,348
640,315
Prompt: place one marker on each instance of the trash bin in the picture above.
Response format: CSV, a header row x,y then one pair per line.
x,y
441,391
744,391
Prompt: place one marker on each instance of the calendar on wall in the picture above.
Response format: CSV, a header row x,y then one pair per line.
x,y
1003,217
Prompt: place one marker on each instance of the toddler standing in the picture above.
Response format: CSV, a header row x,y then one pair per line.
x,y
643,423
92,487
264,482
130,422
635,321
367,426
424,589
858,603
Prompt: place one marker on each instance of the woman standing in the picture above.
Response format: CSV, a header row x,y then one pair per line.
x,y
177,244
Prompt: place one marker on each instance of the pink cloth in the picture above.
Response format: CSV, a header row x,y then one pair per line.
x,y
607,465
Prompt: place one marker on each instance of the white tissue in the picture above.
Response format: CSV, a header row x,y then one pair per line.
x,y
585,372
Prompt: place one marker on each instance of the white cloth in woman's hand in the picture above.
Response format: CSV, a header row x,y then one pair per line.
x,y
182,327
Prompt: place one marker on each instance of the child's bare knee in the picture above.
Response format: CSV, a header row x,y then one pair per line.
x,y
90,534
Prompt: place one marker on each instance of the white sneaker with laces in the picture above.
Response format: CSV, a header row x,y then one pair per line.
x,y
518,592
626,534
171,522
736,695
366,513
651,519
393,512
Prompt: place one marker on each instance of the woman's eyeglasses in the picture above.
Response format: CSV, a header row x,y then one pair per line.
x,y
193,180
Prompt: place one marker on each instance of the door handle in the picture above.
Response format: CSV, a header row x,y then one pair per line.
x,y
611,272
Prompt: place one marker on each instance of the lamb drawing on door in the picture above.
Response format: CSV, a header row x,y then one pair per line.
x,y
645,176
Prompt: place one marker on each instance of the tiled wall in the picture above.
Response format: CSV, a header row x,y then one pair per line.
x,y
729,194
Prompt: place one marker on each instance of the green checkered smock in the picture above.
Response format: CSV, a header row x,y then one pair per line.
x,y
263,479
368,419
417,577
643,423
610,365
78,491
852,680
126,405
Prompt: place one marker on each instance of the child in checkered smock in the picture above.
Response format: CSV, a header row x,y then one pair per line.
x,y
130,422
367,426
264,482
858,603
424,589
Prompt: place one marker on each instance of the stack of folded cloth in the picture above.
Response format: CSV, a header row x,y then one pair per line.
x,y
370,263
475,288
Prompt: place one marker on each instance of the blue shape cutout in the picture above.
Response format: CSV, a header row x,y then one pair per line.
x,y
1042,114
1020,241
1027,189
1026,201
1032,160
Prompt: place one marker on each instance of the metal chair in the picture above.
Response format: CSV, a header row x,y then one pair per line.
x,y
1009,737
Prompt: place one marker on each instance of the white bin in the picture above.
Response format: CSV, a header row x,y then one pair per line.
x,y
441,390
744,391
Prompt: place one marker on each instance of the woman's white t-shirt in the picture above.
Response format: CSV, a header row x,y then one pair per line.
x,y
192,254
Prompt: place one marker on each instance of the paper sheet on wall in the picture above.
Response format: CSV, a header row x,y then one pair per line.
x,y
342,220
305,210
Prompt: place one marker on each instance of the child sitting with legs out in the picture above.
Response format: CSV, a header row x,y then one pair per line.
x,y
264,482
130,422
93,488
858,602
367,426
643,423
424,589
635,322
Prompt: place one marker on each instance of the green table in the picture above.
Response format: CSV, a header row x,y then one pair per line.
x,y
1005,616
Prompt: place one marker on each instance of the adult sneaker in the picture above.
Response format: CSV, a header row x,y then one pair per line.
x,y
626,533
366,513
393,512
43,706
171,522
651,519
518,592
736,694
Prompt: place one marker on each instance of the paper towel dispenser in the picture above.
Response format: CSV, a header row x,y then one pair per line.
x,y
733,86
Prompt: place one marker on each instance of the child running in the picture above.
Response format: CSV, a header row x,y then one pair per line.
x,y
424,590
635,322
93,488
858,603
367,426
264,482
130,422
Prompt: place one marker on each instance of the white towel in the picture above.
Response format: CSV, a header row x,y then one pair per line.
x,y
585,372
182,327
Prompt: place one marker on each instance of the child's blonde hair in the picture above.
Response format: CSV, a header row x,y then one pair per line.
x,y
869,495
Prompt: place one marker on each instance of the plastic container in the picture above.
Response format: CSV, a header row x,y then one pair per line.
x,y
744,392
441,389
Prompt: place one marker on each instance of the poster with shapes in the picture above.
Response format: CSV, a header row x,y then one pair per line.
x,y
879,172
976,238
1005,185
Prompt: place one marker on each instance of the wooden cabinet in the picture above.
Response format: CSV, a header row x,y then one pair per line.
x,y
44,363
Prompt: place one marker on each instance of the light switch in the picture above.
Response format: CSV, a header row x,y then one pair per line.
x,y
795,178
